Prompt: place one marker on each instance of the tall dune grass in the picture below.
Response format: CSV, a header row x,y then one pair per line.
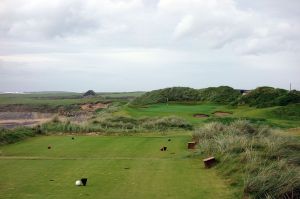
x,y
109,123
266,165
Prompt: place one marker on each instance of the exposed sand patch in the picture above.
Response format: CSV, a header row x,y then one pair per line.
x,y
93,107
221,113
92,133
200,115
17,119
19,123
24,115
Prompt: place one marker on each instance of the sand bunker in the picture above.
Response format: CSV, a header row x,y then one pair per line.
x,y
93,107
221,113
200,115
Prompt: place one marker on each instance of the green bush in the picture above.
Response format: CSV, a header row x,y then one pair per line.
x,y
292,97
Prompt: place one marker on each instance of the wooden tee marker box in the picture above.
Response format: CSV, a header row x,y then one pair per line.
x,y
209,162
164,148
191,145
84,181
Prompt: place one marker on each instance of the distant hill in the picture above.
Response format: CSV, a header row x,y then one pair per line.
x,y
222,94
167,94
259,97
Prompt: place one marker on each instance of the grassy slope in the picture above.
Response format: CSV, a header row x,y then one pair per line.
x,y
187,111
184,111
151,173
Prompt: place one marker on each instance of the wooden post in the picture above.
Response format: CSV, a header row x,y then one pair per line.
x,y
164,148
209,162
191,145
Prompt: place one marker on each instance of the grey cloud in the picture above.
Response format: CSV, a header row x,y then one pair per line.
x,y
44,19
142,45
273,8
225,25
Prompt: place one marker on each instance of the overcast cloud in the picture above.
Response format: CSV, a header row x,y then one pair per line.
x,y
128,45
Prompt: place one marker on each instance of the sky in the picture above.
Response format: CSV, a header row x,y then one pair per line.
x,y
141,45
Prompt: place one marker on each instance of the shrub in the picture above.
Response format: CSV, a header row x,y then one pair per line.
x,y
89,93
292,97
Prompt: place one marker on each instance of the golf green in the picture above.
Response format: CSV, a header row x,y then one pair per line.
x,y
119,167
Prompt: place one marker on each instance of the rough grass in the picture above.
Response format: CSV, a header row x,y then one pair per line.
x,y
109,123
267,165
125,167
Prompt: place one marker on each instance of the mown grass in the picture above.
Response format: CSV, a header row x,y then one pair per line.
x,y
116,167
